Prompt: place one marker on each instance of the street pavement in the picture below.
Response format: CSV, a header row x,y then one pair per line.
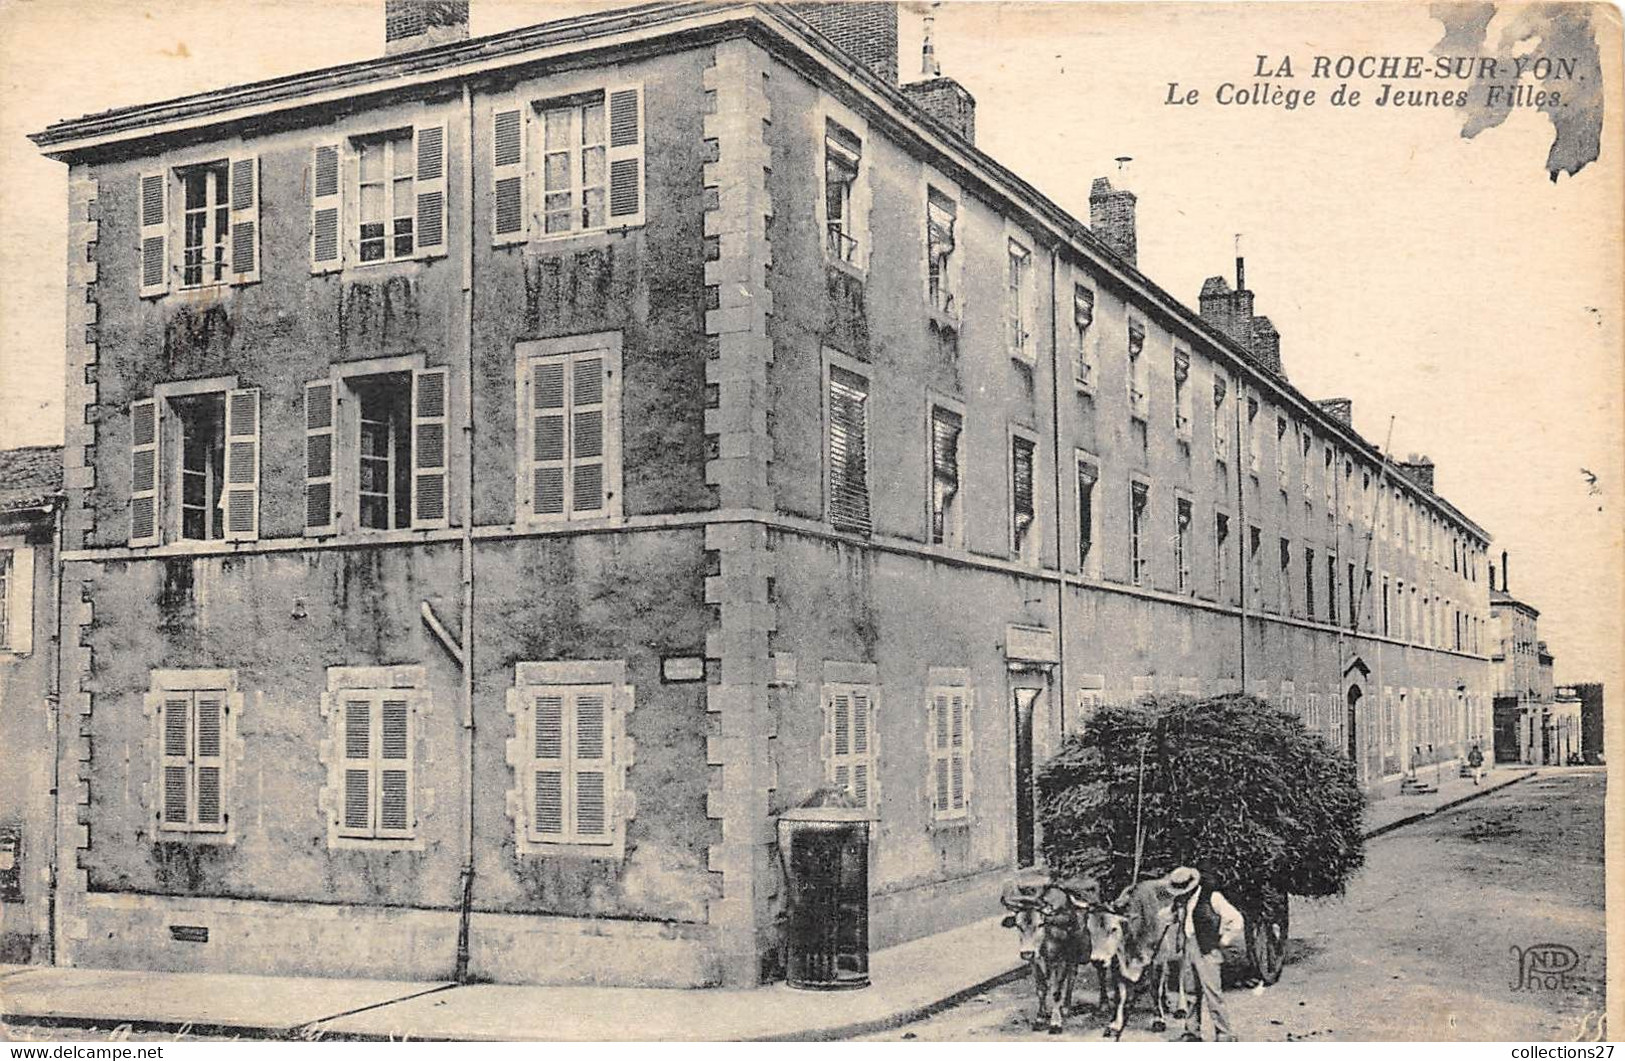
x,y
1420,947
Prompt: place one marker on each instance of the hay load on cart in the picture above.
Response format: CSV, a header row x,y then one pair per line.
x,y
1230,785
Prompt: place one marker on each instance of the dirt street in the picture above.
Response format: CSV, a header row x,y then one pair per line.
x,y
1421,947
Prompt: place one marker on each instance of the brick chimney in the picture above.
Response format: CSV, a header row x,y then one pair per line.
x,y
412,25
1339,409
1111,218
947,101
863,30
1420,470
1231,312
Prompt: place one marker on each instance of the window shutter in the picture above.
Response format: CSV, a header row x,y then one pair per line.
x,y
547,432
938,722
840,710
430,141
860,748
591,766
326,210
429,448
242,498
176,760
957,750
209,759
395,766
245,220
154,234
626,155
145,473
510,221
588,488
548,798
1021,487
848,456
319,515
358,766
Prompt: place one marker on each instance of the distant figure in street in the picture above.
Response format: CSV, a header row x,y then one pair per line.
x,y
1475,759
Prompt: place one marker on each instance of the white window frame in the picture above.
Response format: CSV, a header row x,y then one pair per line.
x,y
836,361
1183,542
1222,579
164,687
1084,462
861,697
1139,537
1139,396
569,679
238,495
1085,336
855,225
625,132
1222,396
161,218
1024,543
944,300
950,706
953,508
375,686
1018,272
1182,395
569,354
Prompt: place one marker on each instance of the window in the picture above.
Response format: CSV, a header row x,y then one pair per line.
x,y
1182,395
16,597
1254,446
1020,269
948,711
1308,461
1182,544
205,224
1308,582
1138,397
193,717
941,213
1331,588
194,464
1281,450
1386,618
849,751
1088,476
1399,609
842,153
568,772
1138,495
394,210
1330,475
1221,557
1083,351
377,744
1221,420
1284,581
570,449
1255,564
1022,498
215,207
947,428
847,443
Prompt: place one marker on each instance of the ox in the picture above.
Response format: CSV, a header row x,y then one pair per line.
x,y
1050,921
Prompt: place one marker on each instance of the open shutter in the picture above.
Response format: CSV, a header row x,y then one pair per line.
x,y
510,221
590,764
1021,487
358,766
245,220
547,438
938,722
840,711
319,515
588,485
429,448
861,762
154,234
394,789
958,750
242,500
326,210
848,456
548,797
144,473
176,761
626,155
208,758
430,142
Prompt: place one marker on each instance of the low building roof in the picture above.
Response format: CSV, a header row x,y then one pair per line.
x,y
30,478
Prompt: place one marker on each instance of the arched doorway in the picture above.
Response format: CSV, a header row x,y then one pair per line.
x,y
1353,722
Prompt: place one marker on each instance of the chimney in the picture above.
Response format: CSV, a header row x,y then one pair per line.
x,y
1492,577
1111,217
1420,470
864,30
1339,409
1506,576
947,102
413,25
1231,312
1266,345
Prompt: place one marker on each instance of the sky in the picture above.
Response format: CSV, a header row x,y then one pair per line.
x,y
1469,306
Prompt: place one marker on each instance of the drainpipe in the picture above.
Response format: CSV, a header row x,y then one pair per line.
x,y
53,699
466,903
1055,435
1244,535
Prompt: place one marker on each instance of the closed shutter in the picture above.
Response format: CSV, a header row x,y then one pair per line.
x,y
245,220
547,427
176,761
840,710
154,215
145,478
509,217
572,766
394,786
588,488
319,515
848,451
209,712
357,812
1021,489
548,768
430,142
850,764
326,210
958,751
242,498
591,765
861,778
429,457
938,724
626,155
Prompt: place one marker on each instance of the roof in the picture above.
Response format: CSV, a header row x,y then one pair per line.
x,y
30,478
1501,596
627,26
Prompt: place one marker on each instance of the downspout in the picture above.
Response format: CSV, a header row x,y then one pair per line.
x,y
466,904
1055,434
53,700
1244,534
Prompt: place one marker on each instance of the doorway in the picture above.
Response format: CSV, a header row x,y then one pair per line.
x,y
1354,723
1024,701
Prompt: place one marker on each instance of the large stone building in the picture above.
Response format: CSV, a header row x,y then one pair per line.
x,y
1525,689
506,474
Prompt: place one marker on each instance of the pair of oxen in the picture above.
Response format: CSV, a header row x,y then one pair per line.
x,y
1145,938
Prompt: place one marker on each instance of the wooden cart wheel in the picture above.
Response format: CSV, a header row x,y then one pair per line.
x,y
1267,937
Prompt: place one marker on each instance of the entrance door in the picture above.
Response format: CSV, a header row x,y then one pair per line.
x,y
1024,700
1354,721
